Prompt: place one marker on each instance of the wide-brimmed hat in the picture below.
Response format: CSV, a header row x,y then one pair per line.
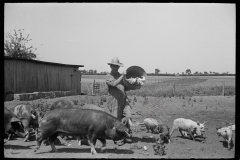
x,y
115,61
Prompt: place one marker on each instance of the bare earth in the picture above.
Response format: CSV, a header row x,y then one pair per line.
x,y
213,109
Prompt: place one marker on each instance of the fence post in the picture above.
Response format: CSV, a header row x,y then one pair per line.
x,y
223,90
173,91
93,87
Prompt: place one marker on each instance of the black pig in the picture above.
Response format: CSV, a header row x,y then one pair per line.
x,y
93,124
12,124
30,117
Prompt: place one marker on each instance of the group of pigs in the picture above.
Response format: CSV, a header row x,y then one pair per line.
x,y
91,123
88,122
187,127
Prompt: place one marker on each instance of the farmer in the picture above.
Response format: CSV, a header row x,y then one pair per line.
x,y
118,104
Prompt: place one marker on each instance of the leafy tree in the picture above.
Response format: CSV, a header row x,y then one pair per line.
x,y
157,71
196,73
90,71
15,45
188,71
84,71
205,72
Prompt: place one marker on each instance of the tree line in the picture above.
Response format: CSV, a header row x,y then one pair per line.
x,y
188,72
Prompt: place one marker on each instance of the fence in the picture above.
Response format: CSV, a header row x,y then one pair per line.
x,y
166,87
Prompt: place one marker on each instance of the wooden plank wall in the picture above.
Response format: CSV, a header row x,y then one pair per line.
x,y
27,77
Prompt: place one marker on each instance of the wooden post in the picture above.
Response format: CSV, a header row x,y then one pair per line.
x,y
223,90
93,87
173,91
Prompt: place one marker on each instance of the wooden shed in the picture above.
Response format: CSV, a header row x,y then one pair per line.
x,y
28,76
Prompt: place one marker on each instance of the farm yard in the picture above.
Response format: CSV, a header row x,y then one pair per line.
x,y
162,98
175,97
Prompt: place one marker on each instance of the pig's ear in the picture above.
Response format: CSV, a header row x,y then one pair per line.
x,y
198,123
111,132
33,116
15,119
120,127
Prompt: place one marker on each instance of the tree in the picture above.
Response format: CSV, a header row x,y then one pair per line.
x,y
84,71
205,72
196,73
188,71
90,71
16,45
157,71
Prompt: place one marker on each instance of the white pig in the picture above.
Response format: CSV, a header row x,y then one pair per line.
x,y
189,126
227,134
151,124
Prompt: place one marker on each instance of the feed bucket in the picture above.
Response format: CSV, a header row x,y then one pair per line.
x,y
134,72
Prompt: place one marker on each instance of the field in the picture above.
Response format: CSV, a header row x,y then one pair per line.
x,y
215,110
166,86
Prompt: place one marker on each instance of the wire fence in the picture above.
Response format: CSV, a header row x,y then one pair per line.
x,y
167,87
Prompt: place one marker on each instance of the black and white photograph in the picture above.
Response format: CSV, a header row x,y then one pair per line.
x,y
119,80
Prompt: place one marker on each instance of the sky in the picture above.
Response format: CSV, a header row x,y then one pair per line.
x,y
172,37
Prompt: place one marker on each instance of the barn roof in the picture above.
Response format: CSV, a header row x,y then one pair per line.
x,y
37,61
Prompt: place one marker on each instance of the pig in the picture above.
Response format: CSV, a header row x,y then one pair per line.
x,y
93,124
151,124
227,134
30,117
12,124
188,126
163,131
66,104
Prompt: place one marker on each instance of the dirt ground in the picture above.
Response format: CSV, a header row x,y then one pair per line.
x,y
214,110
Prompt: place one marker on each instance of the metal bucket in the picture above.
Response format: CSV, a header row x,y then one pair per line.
x,y
134,72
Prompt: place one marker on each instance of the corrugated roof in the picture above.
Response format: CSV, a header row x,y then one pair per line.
x,y
37,61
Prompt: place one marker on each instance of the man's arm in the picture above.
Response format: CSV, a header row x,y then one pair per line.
x,y
111,82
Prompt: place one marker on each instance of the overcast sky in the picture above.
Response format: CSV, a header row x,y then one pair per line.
x,y
172,37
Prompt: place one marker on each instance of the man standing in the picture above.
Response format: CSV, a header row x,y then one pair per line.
x,y
118,104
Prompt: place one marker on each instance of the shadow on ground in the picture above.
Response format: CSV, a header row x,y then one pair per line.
x,y
6,146
88,150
